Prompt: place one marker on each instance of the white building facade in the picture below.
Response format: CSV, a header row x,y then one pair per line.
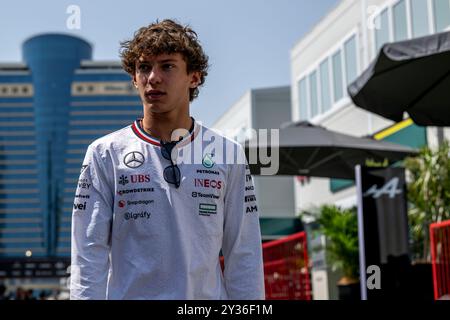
x,y
266,108
332,55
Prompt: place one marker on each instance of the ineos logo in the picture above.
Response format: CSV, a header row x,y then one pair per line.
x,y
134,159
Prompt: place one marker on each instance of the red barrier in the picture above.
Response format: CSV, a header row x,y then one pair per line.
x,y
286,273
440,258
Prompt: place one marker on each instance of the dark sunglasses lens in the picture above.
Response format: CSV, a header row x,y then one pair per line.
x,y
166,150
165,153
172,175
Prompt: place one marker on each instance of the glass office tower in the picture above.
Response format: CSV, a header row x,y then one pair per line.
x,y
52,106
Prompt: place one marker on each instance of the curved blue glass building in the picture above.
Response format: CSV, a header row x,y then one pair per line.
x,y
52,105
52,59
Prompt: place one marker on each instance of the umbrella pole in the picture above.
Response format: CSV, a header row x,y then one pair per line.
x,y
362,251
440,136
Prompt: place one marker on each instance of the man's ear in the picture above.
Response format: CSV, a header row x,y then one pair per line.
x,y
195,80
133,78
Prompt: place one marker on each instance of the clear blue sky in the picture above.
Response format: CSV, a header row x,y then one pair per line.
x,y
248,41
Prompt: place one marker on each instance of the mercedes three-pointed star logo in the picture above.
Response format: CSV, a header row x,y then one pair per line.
x,y
134,159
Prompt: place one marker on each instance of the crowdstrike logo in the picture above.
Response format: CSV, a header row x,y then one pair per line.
x,y
134,159
138,190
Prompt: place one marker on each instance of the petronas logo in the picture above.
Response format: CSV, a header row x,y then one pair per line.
x,y
208,162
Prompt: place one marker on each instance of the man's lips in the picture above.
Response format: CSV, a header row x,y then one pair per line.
x,y
154,94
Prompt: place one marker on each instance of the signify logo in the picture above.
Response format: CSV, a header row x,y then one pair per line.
x,y
137,215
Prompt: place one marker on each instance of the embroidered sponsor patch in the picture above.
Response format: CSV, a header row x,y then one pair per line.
x,y
206,209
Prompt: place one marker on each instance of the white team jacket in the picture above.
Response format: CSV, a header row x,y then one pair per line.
x,y
135,236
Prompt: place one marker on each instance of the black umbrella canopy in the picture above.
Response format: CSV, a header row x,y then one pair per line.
x,y
305,149
411,76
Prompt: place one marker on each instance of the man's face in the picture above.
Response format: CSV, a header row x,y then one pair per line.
x,y
163,82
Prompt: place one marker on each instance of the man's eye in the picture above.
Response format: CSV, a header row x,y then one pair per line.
x,y
168,66
143,67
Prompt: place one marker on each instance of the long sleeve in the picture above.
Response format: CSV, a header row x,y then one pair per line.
x,y
242,250
91,225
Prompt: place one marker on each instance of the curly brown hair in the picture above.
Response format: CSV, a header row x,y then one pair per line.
x,y
166,37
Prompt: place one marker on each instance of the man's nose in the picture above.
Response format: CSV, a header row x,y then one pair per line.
x,y
154,76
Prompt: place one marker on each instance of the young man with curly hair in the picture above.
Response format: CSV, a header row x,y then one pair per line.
x,y
165,195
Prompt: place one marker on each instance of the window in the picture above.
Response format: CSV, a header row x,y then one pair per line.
x,y
400,22
337,76
313,94
441,14
324,86
303,99
419,18
350,59
382,30
325,93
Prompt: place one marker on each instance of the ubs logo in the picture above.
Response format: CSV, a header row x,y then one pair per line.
x,y
135,178
134,159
